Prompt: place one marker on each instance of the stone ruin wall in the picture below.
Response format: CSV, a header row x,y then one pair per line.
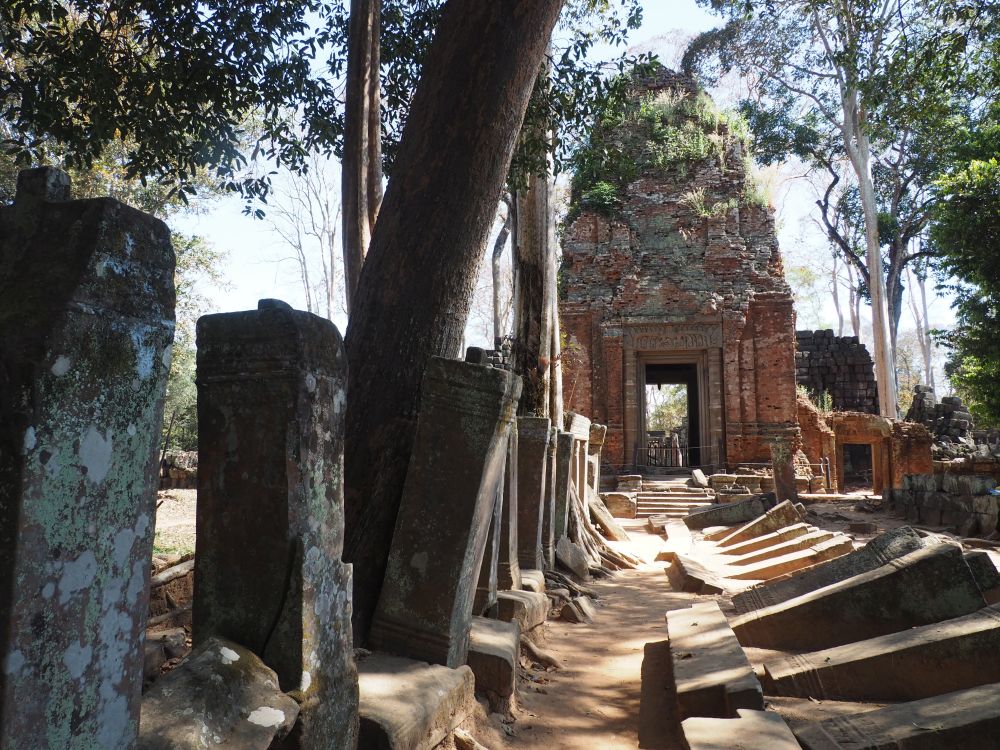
x,y
839,366
659,276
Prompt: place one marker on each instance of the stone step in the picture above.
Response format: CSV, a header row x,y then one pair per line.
x,y
904,593
711,672
410,705
916,663
968,719
775,537
781,515
879,551
799,544
753,730
665,513
789,563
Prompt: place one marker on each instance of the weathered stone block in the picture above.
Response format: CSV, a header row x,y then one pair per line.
x,y
711,673
753,730
926,586
605,521
727,514
784,534
917,663
222,691
527,608
508,569
564,468
572,556
410,705
969,719
494,648
620,504
690,576
791,562
781,515
87,311
425,607
271,398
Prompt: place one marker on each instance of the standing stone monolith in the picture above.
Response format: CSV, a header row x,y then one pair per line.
x,y
508,568
424,611
86,323
564,469
486,588
532,465
549,503
268,574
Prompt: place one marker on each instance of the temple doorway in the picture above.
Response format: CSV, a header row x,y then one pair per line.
x,y
672,409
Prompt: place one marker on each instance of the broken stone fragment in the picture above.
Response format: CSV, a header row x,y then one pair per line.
x,y
572,557
579,610
223,692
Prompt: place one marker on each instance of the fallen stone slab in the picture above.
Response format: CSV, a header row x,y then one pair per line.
x,y
753,730
862,527
689,575
725,514
968,719
929,585
698,479
578,610
222,691
606,522
711,672
879,551
411,705
781,515
494,647
527,608
620,504
657,524
571,556
918,663
791,562
768,540
798,544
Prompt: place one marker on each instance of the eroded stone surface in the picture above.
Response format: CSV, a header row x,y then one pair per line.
x,y
528,608
752,730
222,696
87,311
494,648
532,466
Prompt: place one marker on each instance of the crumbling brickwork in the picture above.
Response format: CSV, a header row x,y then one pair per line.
x,y
839,366
686,271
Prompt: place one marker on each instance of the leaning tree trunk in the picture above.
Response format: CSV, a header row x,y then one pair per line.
x,y
361,175
533,316
417,281
497,272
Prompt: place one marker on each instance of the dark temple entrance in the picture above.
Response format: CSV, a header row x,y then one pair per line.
x,y
673,416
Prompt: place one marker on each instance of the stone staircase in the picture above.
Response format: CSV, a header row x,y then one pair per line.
x,y
671,497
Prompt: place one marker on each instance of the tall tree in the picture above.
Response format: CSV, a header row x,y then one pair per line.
x,y
854,83
361,182
416,284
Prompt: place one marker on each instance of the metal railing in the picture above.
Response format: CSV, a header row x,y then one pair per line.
x,y
673,457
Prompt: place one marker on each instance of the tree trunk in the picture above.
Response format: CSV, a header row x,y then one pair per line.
x,y
555,381
894,294
859,152
836,296
498,304
361,180
416,284
928,345
533,317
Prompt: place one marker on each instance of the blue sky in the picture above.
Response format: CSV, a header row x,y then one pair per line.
x,y
257,264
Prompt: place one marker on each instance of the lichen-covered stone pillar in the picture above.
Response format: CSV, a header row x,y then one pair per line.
x,y
268,573
425,609
87,311
508,569
549,503
532,464
564,466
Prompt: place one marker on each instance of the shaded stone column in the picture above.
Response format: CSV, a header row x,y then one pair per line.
x,y
87,311
486,588
594,445
579,426
268,574
564,466
425,609
532,463
508,569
